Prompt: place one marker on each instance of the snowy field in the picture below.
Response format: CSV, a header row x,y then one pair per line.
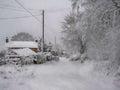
x,y
61,75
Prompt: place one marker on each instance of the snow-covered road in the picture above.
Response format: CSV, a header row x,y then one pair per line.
x,y
61,75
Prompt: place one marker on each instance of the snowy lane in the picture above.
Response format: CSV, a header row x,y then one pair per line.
x,y
62,75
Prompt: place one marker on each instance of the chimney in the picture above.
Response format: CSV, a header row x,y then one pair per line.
x,y
7,40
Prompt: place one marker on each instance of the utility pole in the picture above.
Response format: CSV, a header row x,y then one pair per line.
x,y
43,30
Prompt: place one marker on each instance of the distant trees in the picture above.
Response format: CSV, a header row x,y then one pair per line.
x,y
22,36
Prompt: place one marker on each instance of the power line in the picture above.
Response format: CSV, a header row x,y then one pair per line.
x,y
26,17
6,6
15,7
9,18
27,11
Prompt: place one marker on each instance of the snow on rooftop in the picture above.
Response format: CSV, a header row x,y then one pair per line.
x,y
21,44
24,52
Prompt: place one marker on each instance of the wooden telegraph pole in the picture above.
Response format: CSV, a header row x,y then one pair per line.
x,y
43,30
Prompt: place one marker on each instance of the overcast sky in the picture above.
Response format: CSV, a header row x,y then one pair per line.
x,y
55,11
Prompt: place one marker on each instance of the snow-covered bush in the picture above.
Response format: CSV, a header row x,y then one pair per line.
x,y
2,61
75,57
2,57
27,60
2,53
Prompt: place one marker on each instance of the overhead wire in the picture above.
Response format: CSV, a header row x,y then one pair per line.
x,y
27,10
16,7
9,18
32,15
8,5
13,9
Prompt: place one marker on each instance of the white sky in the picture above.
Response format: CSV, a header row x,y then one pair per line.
x,y
55,11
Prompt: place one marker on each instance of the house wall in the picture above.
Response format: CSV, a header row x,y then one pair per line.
x,y
34,49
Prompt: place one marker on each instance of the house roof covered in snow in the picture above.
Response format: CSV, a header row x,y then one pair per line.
x,y
24,52
21,44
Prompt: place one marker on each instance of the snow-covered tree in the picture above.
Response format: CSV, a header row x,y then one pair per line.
x,y
97,26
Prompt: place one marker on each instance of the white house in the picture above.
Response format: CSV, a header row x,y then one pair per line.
x,y
17,50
